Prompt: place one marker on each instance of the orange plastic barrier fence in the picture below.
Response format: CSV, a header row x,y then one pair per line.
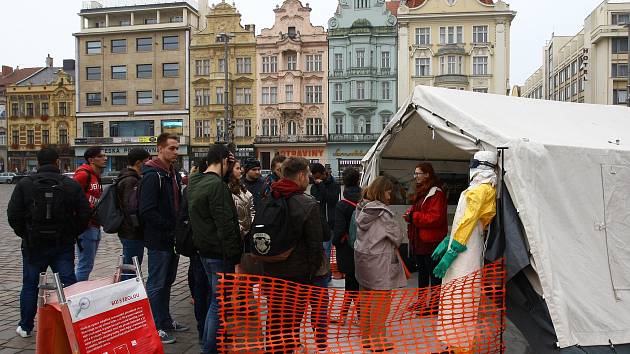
x,y
262,314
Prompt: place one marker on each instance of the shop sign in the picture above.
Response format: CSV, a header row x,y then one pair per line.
x,y
302,152
355,153
124,150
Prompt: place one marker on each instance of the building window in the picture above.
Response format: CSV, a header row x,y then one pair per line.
x,y
338,61
360,90
203,128
15,137
265,127
202,97
620,96
220,95
360,58
620,45
170,43
338,125
30,137
119,72
573,88
480,65
574,67
385,60
93,73
265,95
119,46
288,93
243,65
44,109
480,34
292,62
131,128
144,97
30,110
62,109
314,94
202,67
247,127
451,65
619,70
119,98
274,127
314,126
270,64
170,96
144,71
423,36
63,135
150,21
45,137
273,95
93,47
386,90
93,99
480,90
338,92
221,67
170,69
243,96
144,44
291,32
124,23
451,35
385,120
174,19
361,4
15,110
291,128
620,18
93,129
314,62
265,65
423,67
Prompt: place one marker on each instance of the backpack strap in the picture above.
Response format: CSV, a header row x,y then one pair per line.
x,y
349,202
86,188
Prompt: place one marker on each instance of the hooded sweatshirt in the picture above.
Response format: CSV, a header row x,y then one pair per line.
x,y
90,182
376,260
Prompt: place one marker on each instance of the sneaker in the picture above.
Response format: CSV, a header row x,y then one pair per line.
x,y
22,333
165,338
178,327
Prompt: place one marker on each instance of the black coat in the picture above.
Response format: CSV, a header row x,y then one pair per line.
x,y
157,208
78,209
327,194
126,189
343,214
256,188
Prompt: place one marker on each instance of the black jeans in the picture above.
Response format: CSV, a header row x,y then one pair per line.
x,y
425,271
198,283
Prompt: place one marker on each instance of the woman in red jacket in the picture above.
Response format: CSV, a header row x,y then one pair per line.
x,y
427,222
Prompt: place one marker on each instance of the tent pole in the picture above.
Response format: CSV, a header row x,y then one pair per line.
x,y
501,151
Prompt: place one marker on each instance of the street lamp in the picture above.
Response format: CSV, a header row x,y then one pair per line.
x,y
227,120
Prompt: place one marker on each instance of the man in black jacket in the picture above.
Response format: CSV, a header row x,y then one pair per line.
x,y
160,199
252,179
130,232
215,230
47,211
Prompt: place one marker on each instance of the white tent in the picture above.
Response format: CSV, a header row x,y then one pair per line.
x,y
568,173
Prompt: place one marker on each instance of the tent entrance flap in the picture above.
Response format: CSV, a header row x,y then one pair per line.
x,y
616,183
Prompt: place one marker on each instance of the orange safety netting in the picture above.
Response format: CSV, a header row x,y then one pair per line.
x,y
262,314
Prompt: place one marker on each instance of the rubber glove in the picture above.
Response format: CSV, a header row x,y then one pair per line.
x,y
447,260
441,249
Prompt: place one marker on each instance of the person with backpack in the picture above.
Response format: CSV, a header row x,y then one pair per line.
x,y
130,232
344,213
159,203
215,230
287,236
47,211
88,176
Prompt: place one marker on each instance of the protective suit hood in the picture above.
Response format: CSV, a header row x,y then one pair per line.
x,y
483,168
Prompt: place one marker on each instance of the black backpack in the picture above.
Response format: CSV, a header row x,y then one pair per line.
x,y
107,211
271,239
48,214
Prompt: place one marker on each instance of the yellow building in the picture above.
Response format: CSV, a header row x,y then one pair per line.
x,y
459,44
41,113
207,93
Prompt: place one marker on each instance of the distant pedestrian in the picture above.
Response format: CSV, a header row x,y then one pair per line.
x,y
88,176
130,233
252,179
274,176
159,204
47,211
215,230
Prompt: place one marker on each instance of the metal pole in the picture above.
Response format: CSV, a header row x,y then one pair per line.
x,y
628,69
226,91
60,295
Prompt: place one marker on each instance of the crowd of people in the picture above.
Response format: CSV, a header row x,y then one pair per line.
x,y
213,221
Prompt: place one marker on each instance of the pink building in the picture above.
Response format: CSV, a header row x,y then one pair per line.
x,y
292,86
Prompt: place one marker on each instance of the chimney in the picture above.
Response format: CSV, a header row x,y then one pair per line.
x,y
6,70
49,61
203,11
68,65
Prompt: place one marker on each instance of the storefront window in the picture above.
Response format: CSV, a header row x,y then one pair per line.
x,y
174,126
131,128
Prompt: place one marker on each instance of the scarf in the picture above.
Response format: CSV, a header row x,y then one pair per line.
x,y
285,188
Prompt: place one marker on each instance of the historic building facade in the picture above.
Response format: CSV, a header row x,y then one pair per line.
x,y
208,86
459,44
41,113
133,77
589,67
362,74
292,83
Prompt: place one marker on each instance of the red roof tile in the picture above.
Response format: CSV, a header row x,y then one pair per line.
x,y
17,75
393,6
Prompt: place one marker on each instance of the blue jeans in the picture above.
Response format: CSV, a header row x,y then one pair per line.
x,y
328,250
60,259
131,248
90,238
212,267
162,273
319,311
198,282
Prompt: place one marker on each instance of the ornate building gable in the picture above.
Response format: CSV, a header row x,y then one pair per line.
x,y
373,11
450,6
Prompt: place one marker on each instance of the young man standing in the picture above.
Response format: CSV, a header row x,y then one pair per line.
x,y
274,176
88,176
215,230
130,234
159,202
252,179
48,228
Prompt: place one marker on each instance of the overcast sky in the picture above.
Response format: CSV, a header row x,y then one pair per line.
x,y
33,28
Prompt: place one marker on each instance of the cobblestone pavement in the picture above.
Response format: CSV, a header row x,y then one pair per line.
x,y
106,260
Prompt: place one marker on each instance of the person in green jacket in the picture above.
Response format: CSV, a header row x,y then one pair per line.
x,y
215,230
